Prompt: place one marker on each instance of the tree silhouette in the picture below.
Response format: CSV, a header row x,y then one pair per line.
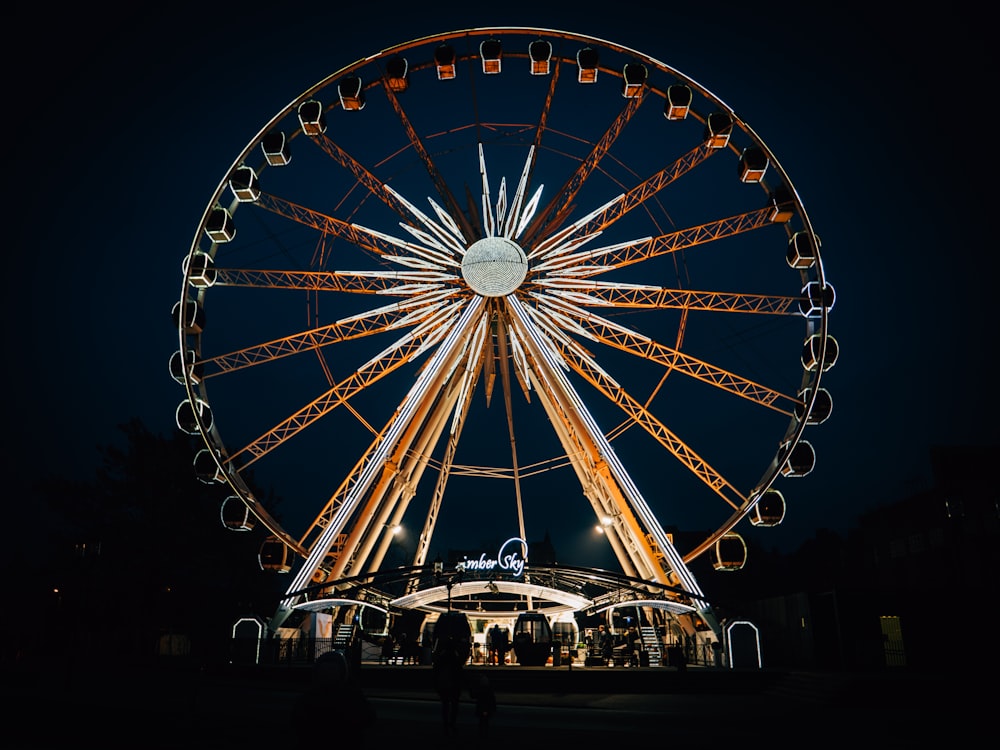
x,y
139,552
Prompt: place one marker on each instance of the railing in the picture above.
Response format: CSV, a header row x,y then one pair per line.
x,y
288,651
304,651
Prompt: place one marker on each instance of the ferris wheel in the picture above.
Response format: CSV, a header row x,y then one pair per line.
x,y
502,268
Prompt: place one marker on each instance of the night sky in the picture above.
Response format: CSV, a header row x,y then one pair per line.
x,y
118,138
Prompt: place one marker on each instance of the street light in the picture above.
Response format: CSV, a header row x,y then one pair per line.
x,y
605,522
449,580
395,541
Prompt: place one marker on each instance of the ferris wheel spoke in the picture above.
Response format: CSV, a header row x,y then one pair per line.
x,y
514,228
648,188
555,212
638,414
348,282
338,499
585,458
382,245
548,367
626,253
446,238
516,219
443,191
390,494
439,368
404,350
369,323
591,293
568,239
372,183
543,117
502,219
619,337
478,353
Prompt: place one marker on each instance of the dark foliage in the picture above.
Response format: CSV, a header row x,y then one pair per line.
x,y
136,554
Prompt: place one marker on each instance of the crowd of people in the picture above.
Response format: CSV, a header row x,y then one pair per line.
x,y
605,647
334,681
401,650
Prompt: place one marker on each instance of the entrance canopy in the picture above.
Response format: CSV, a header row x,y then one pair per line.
x,y
550,589
544,598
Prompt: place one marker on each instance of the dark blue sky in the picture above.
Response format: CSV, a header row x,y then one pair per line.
x,y
120,135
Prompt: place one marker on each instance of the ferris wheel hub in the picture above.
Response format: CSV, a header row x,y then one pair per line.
x,y
494,266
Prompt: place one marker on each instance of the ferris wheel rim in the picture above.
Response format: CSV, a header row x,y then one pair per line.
x,y
196,394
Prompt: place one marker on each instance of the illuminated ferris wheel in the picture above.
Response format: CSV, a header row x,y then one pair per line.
x,y
500,268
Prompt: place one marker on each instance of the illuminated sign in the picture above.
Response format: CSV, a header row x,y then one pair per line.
x,y
511,557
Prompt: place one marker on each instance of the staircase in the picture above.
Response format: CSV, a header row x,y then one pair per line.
x,y
651,645
344,637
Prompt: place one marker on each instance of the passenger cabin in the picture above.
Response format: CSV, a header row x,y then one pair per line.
x,y
274,555
586,65
244,184
816,298
718,128
235,514
540,53
312,118
182,367
276,149
192,320
800,461
633,79
187,414
220,226
567,633
206,469
532,639
812,352
351,91
802,248
753,164
782,204
769,510
490,51
677,104
729,552
444,59
200,270
396,71
821,409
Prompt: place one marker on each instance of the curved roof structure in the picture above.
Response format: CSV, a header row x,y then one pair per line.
x,y
549,589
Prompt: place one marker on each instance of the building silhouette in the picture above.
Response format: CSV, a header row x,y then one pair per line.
x,y
911,586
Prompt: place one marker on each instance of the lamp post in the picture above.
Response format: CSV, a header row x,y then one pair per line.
x,y
449,579
397,552
439,575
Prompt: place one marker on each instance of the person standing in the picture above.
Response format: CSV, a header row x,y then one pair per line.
x,y
405,650
335,698
634,644
388,651
447,670
503,645
486,703
602,642
494,644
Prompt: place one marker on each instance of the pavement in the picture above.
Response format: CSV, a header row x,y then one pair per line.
x,y
536,707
